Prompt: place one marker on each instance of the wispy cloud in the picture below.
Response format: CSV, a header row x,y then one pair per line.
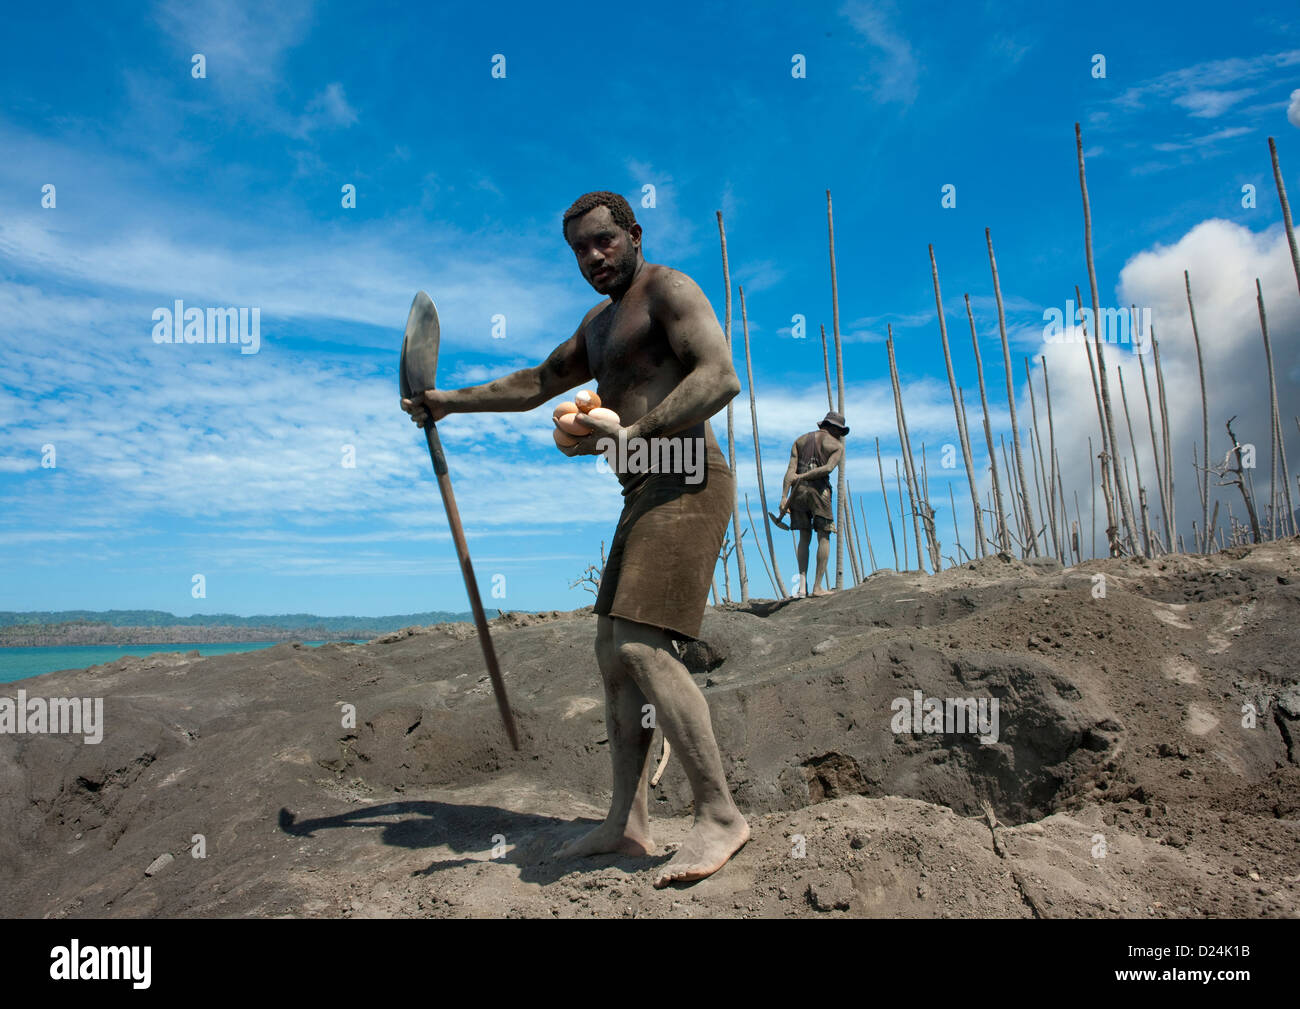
x,y
894,68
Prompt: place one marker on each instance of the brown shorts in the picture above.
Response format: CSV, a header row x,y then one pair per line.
x,y
810,508
665,550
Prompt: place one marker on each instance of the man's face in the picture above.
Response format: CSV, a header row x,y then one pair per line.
x,y
606,253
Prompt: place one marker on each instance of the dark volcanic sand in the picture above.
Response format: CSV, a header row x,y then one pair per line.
x,y
1119,717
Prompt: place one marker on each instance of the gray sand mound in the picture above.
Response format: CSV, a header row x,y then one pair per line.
x,y
1122,780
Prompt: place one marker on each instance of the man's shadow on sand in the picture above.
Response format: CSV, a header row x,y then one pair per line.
x,y
530,840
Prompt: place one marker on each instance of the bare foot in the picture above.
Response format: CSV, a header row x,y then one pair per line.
x,y
608,838
706,849
821,592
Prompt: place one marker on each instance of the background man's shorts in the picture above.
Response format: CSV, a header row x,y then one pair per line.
x,y
665,550
810,508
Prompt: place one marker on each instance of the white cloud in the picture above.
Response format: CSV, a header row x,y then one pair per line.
x,y
1293,109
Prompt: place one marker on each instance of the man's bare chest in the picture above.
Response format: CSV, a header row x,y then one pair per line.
x,y
625,344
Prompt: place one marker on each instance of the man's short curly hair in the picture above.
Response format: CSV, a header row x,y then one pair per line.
x,y
618,209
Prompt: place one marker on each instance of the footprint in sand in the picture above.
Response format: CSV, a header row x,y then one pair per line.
x,y
1178,668
1199,721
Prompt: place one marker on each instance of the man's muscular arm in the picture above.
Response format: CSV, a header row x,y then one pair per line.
x,y
677,303
565,368
791,470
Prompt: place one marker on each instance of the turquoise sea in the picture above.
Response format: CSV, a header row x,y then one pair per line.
x,y
20,663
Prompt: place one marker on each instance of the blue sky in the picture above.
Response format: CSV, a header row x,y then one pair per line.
x,y
176,460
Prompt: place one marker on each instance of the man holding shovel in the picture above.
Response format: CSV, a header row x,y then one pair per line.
x,y
662,365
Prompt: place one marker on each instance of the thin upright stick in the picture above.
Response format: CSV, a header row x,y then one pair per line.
x,y
1137,466
956,406
921,510
775,588
1092,479
731,435
758,455
1286,210
1032,546
1155,452
956,532
889,515
1204,484
1047,470
1051,435
1279,443
826,366
902,517
1125,511
1003,542
1105,456
857,535
1166,441
866,529
839,376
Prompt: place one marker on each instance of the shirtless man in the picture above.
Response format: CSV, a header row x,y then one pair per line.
x,y
806,494
661,363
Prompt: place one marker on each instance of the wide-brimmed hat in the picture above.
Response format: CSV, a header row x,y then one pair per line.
x,y
835,420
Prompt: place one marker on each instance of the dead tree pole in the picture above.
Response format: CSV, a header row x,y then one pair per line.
x,y
731,436
1204,484
889,515
839,375
1011,395
1003,542
1286,210
962,435
1125,511
1279,443
758,455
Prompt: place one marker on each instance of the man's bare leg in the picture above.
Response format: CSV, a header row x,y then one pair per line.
x,y
801,559
823,555
682,712
627,827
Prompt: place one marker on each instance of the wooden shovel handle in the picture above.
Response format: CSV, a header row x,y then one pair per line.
x,y
471,585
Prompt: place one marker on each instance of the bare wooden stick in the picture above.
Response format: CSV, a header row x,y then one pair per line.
x,y
1051,435
856,541
1205,413
1166,441
962,435
902,518
758,455
663,763
1011,394
1047,472
1137,465
839,376
1225,470
778,589
1155,452
1092,480
1286,210
1279,443
731,435
1125,510
956,532
867,532
1017,509
1003,542
921,511
826,366
1105,456
889,515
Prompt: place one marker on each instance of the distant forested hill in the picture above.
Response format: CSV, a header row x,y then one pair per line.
x,y
60,627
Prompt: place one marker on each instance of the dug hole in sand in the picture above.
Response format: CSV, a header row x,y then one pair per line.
x,y
1145,762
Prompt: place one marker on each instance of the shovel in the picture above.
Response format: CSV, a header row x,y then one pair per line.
x,y
418,368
